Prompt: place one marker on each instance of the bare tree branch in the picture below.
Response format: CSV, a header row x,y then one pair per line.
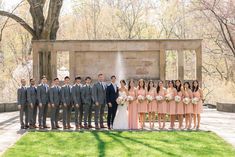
x,y
18,20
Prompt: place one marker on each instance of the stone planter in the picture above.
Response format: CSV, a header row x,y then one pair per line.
x,y
225,107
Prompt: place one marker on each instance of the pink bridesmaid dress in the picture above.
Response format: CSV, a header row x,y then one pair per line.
x,y
162,105
188,107
133,112
180,105
143,105
152,106
171,105
198,108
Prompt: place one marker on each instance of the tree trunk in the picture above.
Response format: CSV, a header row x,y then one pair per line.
x,y
46,30
43,28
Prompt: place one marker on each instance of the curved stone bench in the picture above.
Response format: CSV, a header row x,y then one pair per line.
x,y
225,107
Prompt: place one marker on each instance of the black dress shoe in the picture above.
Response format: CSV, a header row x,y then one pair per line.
x,y
45,127
26,126
90,126
102,126
22,127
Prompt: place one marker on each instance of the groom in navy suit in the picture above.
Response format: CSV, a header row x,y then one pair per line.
x,y
111,96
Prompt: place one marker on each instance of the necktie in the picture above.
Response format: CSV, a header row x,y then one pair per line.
x,y
103,86
68,88
89,88
114,87
45,87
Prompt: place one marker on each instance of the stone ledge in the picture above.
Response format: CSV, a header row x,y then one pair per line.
x,y
225,107
8,107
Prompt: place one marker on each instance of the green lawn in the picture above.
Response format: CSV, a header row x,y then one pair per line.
x,y
118,144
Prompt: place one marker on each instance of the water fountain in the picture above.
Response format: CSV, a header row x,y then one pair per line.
x,y
119,68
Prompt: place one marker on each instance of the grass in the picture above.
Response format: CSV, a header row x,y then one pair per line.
x,y
118,144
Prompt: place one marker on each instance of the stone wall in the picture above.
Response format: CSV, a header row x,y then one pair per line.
x,y
140,58
8,107
124,65
225,107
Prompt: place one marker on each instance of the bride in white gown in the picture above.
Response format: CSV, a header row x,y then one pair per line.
x,y
121,118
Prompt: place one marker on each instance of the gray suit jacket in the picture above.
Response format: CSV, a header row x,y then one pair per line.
x,y
76,94
22,96
66,95
43,94
32,95
55,95
87,94
99,93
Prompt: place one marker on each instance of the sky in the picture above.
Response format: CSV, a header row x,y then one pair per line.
x,y
10,4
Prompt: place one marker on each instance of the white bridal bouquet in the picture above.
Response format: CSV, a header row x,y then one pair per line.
x,y
177,99
140,98
186,101
130,98
149,98
168,97
121,100
195,101
159,98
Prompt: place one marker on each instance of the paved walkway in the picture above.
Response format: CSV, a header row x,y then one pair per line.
x,y
9,130
221,123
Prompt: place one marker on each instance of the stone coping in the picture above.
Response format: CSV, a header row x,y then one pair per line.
x,y
225,107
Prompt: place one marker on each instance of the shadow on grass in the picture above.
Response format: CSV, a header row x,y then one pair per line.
x,y
101,144
145,144
116,136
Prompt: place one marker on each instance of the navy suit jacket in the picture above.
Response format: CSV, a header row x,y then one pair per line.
x,y
111,95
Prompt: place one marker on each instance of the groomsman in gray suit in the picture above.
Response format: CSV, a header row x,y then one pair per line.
x,y
76,93
55,97
43,100
87,100
33,103
22,104
66,96
99,96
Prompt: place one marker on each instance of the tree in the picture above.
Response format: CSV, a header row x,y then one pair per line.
x,y
44,28
220,14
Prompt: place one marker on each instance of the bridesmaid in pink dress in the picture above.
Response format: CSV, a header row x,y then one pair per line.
x,y
197,108
162,105
188,107
142,104
179,105
152,105
132,107
171,103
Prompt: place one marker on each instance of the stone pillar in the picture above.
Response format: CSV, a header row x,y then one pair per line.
x,y
36,65
53,64
72,64
199,64
180,60
162,63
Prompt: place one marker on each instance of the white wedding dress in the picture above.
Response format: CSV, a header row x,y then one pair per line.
x,y
121,118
